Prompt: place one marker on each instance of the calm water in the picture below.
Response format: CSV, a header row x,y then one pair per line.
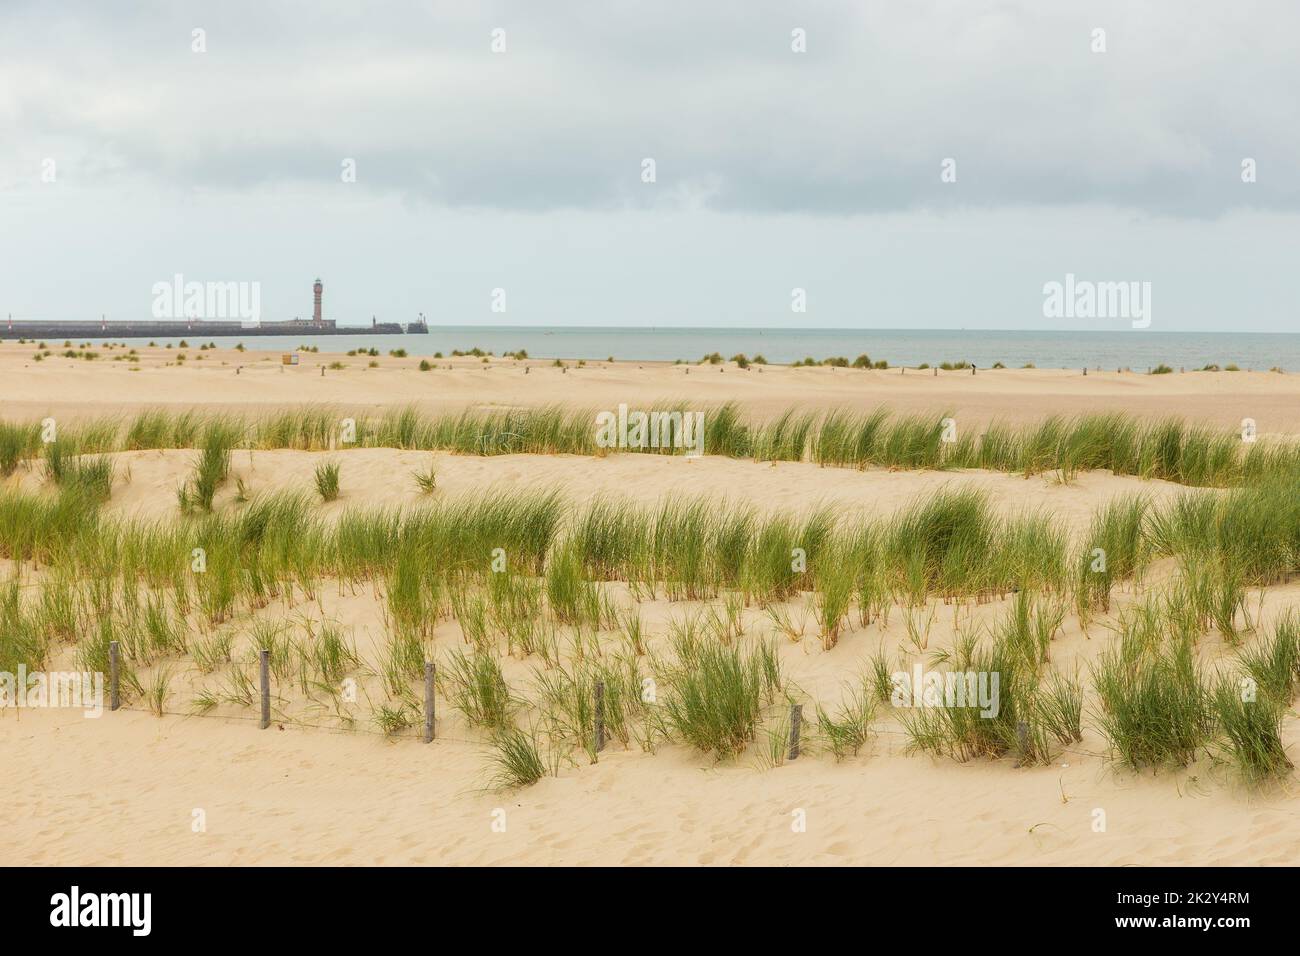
x,y
1136,349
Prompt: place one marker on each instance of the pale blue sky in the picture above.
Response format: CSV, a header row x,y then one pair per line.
x,y
775,169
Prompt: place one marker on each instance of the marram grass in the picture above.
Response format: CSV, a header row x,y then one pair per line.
x,y
1172,450
105,578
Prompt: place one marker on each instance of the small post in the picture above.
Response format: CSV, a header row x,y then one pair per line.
x,y
796,718
114,693
264,662
428,701
1022,741
600,716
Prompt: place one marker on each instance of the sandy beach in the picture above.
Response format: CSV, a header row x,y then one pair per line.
x,y
94,794
227,379
132,787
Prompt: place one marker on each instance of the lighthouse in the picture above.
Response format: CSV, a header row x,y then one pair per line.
x,y
316,290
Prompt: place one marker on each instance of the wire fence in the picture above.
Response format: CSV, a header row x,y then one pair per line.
x,y
428,733
876,730
295,722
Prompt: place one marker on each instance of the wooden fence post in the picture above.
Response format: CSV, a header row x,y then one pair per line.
x,y
796,718
264,661
600,716
114,692
428,701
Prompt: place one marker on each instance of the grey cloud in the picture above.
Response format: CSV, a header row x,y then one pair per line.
x,y
733,118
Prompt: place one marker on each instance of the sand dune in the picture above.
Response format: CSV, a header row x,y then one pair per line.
x,y
123,788
299,797
146,481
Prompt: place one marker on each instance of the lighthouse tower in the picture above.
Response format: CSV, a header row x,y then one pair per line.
x,y
316,289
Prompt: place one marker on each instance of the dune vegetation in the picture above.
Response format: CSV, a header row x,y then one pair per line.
x,y
559,586
1172,450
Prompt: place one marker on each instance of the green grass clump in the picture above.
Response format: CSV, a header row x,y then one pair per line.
x,y
158,428
210,471
517,757
1250,732
567,697
846,732
23,642
785,439
941,543
1153,705
475,686
331,655
571,597
17,442
834,582
393,718
960,727
1274,663
156,691
1059,708
327,480
87,475
1115,548
1252,532
427,481
717,693
57,459
1031,624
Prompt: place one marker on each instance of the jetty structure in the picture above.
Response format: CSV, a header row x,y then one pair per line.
x,y
204,328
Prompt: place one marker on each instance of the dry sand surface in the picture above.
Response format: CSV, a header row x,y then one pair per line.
x,y
74,387
146,482
123,788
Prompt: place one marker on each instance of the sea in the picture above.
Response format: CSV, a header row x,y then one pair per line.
x,y
1137,349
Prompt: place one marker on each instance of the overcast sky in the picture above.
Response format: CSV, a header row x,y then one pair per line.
x,y
774,169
